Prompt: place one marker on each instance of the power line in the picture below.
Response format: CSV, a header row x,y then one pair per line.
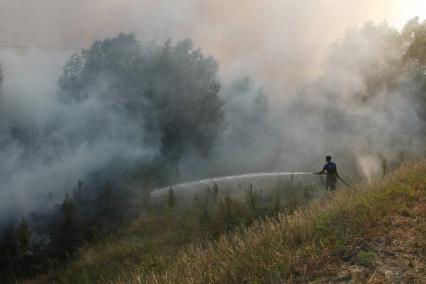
x,y
39,47
41,34
29,33
35,46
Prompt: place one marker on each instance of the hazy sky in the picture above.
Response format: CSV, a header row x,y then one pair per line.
x,y
280,42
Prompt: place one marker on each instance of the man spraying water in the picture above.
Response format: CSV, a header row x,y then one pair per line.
x,y
330,169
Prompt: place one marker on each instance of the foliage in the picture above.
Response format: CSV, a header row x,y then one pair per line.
x,y
300,245
252,198
414,32
247,127
170,90
303,244
41,241
171,93
171,198
23,237
152,241
277,205
64,234
415,57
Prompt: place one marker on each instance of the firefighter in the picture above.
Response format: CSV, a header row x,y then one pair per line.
x,y
330,170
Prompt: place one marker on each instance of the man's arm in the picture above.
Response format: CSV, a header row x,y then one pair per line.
x,y
322,171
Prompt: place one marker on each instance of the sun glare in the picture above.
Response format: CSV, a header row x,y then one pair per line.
x,y
408,9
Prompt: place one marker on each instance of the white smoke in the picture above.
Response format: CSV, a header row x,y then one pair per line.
x,y
283,45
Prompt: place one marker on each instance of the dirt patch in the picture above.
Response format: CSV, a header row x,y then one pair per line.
x,y
393,251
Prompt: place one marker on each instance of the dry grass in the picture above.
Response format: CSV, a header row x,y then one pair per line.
x,y
330,239
308,245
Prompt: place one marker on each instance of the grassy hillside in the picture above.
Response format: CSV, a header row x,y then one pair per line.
x,y
373,233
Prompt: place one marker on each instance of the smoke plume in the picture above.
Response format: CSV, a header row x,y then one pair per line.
x,y
321,83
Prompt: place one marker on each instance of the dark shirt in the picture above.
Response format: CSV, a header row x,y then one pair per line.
x,y
330,168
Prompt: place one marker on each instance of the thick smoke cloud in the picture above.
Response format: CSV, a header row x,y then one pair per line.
x,y
282,46
364,106
45,152
365,109
281,43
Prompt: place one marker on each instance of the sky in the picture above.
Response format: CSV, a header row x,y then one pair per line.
x,y
280,42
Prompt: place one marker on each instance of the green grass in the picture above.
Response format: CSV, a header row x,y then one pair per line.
x,y
366,258
305,244
147,245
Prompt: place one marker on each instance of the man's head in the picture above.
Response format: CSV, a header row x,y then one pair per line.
x,y
328,158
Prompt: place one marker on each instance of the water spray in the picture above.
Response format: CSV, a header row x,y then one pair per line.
x,y
226,178
209,181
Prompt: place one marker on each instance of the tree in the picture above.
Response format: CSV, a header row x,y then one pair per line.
x,y
204,219
228,215
252,198
65,234
68,209
414,35
170,90
78,193
246,109
105,209
171,198
248,128
70,81
277,205
23,237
